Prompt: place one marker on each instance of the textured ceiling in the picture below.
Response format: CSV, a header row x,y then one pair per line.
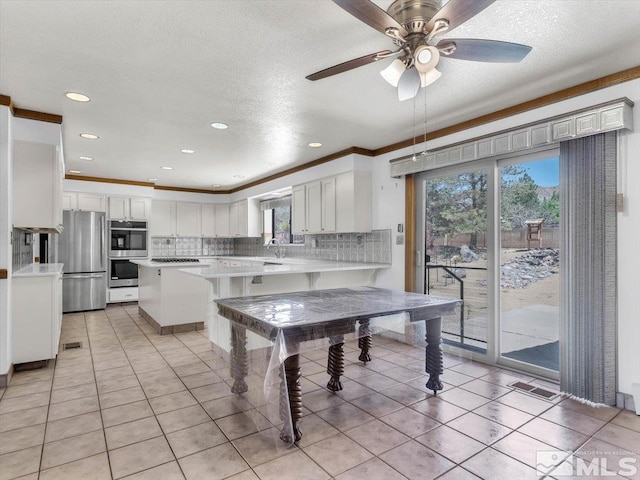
x,y
159,72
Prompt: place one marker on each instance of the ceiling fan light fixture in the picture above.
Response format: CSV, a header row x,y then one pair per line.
x,y
426,58
393,72
428,78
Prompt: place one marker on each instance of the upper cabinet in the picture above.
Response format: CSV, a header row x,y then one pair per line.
x,y
222,220
341,203
244,219
314,207
163,218
353,201
188,219
88,202
37,186
129,208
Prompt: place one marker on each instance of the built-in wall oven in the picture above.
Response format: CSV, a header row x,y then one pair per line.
x,y
122,273
127,239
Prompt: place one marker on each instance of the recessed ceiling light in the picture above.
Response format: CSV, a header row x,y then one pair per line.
x,y
152,179
88,159
186,150
89,136
215,185
77,97
220,126
75,171
167,168
315,144
238,176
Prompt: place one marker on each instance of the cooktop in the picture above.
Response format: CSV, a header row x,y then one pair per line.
x,y
175,260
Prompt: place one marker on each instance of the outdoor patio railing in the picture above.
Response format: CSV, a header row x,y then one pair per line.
x,y
451,271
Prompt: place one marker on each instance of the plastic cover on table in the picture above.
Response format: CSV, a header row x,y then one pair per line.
x,y
267,391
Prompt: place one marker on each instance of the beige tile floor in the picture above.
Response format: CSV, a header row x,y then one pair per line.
x,y
136,405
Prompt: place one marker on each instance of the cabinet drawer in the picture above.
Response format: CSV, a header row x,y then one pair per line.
x,y
123,294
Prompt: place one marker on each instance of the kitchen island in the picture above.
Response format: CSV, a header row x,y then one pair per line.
x,y
177,297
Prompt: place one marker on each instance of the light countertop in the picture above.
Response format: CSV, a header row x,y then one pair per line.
x,y
40,270
313,266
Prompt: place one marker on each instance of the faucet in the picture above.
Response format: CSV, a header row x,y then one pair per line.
x,y
278,249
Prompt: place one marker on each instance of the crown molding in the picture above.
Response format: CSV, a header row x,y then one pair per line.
x,y
29,114
304,166
191,190
109,180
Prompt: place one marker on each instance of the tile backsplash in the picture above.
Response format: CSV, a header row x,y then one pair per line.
x,y
22,249
373,247
190,246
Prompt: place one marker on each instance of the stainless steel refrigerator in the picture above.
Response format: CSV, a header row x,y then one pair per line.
x,y
82,250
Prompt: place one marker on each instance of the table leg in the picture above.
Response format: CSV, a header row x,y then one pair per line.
x,y
433,361
335,364
364,342
239,368
294,390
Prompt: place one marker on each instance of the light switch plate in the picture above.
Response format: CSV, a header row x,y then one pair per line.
x,y
399,239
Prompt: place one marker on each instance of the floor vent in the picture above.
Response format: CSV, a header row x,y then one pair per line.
x,y
71,345
533,390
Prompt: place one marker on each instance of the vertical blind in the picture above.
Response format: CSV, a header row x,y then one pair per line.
x,y
588,256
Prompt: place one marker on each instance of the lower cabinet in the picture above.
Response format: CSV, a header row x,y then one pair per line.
x,y
37,317
124,294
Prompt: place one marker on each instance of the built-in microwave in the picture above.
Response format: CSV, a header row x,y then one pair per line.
x,y
122,273
128,239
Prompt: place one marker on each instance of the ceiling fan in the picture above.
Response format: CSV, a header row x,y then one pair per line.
x,y
414,26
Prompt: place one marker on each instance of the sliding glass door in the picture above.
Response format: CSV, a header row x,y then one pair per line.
x,y
489,234
456,252
530,263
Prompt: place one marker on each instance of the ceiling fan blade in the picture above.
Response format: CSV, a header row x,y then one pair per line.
x,y
456,12
350,65
369,13
409,84
483,50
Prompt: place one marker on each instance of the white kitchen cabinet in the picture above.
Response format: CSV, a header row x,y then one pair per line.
x,y
139,208
353,202
312,207
208,219
163,218
222,220
188,219
124,294
129,208
245,219
341,203
37,186
36,324
328,205
234,220
298,209
88,202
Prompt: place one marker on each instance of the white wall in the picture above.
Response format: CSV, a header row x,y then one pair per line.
x,y
6,214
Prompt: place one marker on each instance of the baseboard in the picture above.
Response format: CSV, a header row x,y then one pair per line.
x,y
626,401
169,329
5,379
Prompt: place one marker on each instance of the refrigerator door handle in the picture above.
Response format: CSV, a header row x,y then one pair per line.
x,y
102,242
84,276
